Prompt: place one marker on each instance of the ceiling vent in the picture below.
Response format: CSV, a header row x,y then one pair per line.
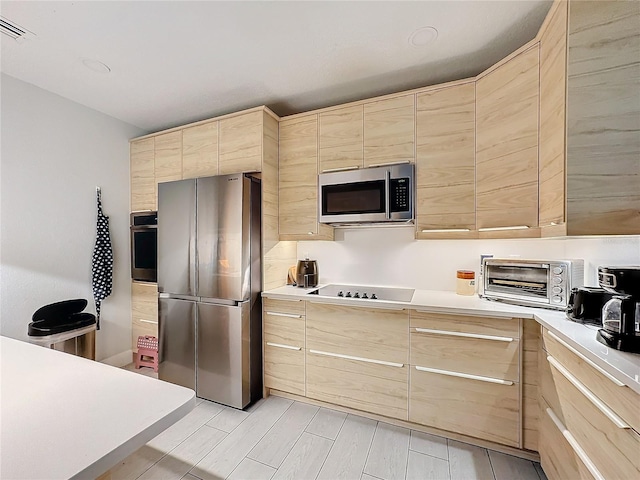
x,y
14,31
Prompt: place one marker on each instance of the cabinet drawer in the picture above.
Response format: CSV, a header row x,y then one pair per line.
x,y
283,329
558,457
620,398
445,350
476,408
294,307
284,369
371,387
493,326
144,301
361,332
605,438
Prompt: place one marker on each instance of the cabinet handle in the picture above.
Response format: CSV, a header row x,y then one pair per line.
x,y
497,229
386,164
444,230
341,169
464,375
466,335
377,307
288,347
590,362
617,421
359,359
575,445
148,321
288,315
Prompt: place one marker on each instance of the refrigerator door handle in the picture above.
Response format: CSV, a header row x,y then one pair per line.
x,y
219,301
173,296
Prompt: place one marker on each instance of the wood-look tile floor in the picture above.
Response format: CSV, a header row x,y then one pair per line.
x,y
278,438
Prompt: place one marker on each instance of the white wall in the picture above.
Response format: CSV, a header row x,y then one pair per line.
x,y
54,153
392,257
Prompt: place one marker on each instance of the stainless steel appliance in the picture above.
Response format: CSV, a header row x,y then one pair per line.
x,y
585,305
370,195
534,283
621,314
209,281
307,273
364,292
144,246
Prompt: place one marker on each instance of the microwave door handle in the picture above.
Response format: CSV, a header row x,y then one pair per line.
x,y
387,196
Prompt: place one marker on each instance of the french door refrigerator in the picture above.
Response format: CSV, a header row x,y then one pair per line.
x,y
209,282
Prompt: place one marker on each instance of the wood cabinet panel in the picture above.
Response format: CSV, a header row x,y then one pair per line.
x,y
365,386
284,330
530,417
143,186
475,356
284,369
361,332
240,143
470,407
553,85
389,131
200,151
503,327
144,311
294,307
507,143
298,181
341,138
168,158
445,158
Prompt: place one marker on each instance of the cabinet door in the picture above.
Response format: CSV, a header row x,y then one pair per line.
x,y
553,86
143,186
445,159
284,365
341,138
144,311
507,144
389,131
168,158
200,151
298,180
240,148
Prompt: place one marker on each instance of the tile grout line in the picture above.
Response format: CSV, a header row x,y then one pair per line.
x,y
332,446
448,459
406,467
369,449
267,432
491,465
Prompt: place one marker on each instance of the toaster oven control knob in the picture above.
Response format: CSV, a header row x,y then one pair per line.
x,y
557,280
340,294
356,295
348,295
556,290
373,296
557,270
556,299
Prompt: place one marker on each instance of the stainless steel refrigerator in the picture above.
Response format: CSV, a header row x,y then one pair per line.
x,y
209,282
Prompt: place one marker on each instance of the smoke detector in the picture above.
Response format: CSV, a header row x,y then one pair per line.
x,y
15,31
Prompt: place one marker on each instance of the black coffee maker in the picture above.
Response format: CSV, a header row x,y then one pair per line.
x,y
621,314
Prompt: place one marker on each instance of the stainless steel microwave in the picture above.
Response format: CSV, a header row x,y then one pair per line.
x,y
535,283
369,195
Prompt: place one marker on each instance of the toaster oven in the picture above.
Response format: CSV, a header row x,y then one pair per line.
x,y
533,283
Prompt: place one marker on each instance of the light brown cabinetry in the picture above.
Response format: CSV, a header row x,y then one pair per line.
x,y
240,147
143,185
507,143
144,311
357,357
284,345
389,131
529,380
341,139
168,157
445,162
590,409
465,375
200,150
298,181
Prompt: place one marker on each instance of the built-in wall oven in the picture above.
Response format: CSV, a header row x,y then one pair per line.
x,y
144,246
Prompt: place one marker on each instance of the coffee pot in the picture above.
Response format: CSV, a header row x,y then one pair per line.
x,y
621,314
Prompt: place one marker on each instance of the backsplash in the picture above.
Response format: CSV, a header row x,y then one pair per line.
x,y
392,257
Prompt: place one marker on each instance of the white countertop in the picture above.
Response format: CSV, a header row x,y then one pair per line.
x,y
64,416
623,366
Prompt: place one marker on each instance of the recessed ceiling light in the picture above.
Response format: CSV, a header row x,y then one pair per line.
x,y
423,36
95,65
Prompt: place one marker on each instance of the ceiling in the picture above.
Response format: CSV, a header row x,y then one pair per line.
x,y
174,62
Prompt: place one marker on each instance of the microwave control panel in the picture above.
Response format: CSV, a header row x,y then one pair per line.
x,y
399,200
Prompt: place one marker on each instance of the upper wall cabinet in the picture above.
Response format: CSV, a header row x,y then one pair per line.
x,y
298,181
168,158
240,148
389,131
143,185
445,162
507,145
200,150
341,139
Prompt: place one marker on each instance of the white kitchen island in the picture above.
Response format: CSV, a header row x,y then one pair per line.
x,y
63,416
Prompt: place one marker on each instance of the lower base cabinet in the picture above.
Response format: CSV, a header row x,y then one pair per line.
x,y
471,407
284,368
362,384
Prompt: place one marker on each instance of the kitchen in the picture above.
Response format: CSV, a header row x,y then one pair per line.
x,y
400,260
